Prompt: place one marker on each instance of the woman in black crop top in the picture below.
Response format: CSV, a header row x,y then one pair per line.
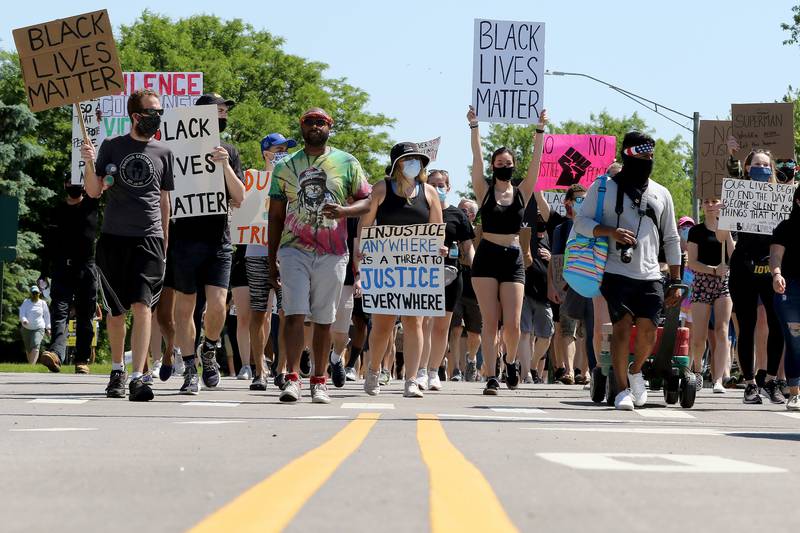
x,y
750,281
497,270
402,198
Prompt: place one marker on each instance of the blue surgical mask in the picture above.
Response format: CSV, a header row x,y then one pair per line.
x,y
684,234
411,168
760,173
442,193
578,200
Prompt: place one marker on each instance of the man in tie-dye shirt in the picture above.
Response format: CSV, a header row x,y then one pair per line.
x,y
308,242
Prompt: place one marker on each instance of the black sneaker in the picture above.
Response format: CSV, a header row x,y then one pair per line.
x,y
305,364
443,371
512,374
259,383
536,379
472,371
492,386
116,384
140,391
338,374
783,386
280,380
191,384
497,370
751,394
457,376
210,367
773,391
559,373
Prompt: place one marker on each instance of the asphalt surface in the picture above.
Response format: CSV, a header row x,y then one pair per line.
x,y
541,458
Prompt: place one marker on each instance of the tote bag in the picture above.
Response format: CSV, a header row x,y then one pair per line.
x,y
585,257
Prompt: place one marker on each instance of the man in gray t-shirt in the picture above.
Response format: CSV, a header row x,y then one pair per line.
x,y
134,171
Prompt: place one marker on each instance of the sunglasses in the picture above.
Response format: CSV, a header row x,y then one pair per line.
x,y
152,112
318,122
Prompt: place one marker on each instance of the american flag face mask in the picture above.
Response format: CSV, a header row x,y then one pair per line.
x,y
646,148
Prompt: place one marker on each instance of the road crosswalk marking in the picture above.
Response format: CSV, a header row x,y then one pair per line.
x,y
51,429
518,410
790,415
662,413
368,406
60,401
658,462
203,403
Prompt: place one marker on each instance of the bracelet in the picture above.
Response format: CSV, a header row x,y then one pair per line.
x,y
473,126
539,130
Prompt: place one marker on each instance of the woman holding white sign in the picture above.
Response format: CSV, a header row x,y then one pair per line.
x,y
497,270
750,280
404,198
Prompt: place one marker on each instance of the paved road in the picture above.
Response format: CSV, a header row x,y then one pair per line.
x,y
542,458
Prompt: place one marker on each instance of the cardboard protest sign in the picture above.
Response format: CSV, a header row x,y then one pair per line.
x,y
713,158
753,206
192,133
176,89
766,126
72,336
555,199
401,270
66,61
508,71
430,148
571,159
249,222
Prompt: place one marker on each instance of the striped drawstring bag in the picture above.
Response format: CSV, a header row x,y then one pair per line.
x,y
585,257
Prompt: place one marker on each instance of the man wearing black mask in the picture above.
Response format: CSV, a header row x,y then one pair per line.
x,y
638,216
68,258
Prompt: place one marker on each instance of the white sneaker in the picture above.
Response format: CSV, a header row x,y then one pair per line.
x,y
411,389
434,383
422,378
178,366
624,401
291,392
718,388
638,389
794,403
319,393
371,385
350,374
245,373
156,368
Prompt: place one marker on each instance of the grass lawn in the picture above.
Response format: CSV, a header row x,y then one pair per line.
x,y
97,368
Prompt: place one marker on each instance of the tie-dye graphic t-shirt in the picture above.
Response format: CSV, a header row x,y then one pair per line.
x,y
306,183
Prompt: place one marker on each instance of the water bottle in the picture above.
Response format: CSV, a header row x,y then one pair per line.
x,y
453,251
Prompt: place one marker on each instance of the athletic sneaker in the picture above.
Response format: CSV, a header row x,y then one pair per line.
x,y
434,383
751,394
566,379
580,379
513,371
794,403
319,393
472,371
718,388
338,373
305,364
698,381
350,374
783,386
492,387
291,392
638,388
384,378
191,384
140,391
536,379
773,392
528,380
82,368
156,369
372,382
443,371
280,380
624,400
422,378
116,384
178,366
210,368
147,378
259,383
411,389
457,376
245,373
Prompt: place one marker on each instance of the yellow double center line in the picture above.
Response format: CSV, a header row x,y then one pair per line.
x,y
454,483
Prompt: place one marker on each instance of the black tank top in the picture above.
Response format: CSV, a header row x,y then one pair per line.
x,y
502,219
396,210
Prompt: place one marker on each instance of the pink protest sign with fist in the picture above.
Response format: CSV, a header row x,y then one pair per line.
x,y
570,159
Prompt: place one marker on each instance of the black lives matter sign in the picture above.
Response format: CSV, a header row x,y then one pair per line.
x,y
508,71
70,60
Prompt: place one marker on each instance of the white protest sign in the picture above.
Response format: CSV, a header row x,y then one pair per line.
x,y
249,222
192,133
401,270
430,148
110,118
555,199
753,206
508,71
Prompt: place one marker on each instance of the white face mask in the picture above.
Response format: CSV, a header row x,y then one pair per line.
x,y
280,155
411,168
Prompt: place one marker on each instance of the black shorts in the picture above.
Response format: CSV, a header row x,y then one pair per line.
x,y
197,264
499,262
130,270
238,269
467,314
358,309
635,297
452,293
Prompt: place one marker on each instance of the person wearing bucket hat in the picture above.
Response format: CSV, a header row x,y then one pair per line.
x,y
400,199
307,239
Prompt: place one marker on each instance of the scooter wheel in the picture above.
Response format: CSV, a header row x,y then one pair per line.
x,y
597,389
672,390
688,391
611,388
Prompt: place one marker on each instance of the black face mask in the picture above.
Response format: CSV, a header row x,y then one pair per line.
x,y
74,191
148,126
502,173
637,171
223,123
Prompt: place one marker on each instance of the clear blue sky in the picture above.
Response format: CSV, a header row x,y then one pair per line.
x,y
414,58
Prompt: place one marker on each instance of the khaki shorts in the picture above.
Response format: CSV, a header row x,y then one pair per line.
x,y
311,283
344,311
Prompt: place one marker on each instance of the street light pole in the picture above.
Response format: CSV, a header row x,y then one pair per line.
x,y
657,108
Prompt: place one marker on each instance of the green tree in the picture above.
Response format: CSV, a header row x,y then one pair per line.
x,y
793,27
